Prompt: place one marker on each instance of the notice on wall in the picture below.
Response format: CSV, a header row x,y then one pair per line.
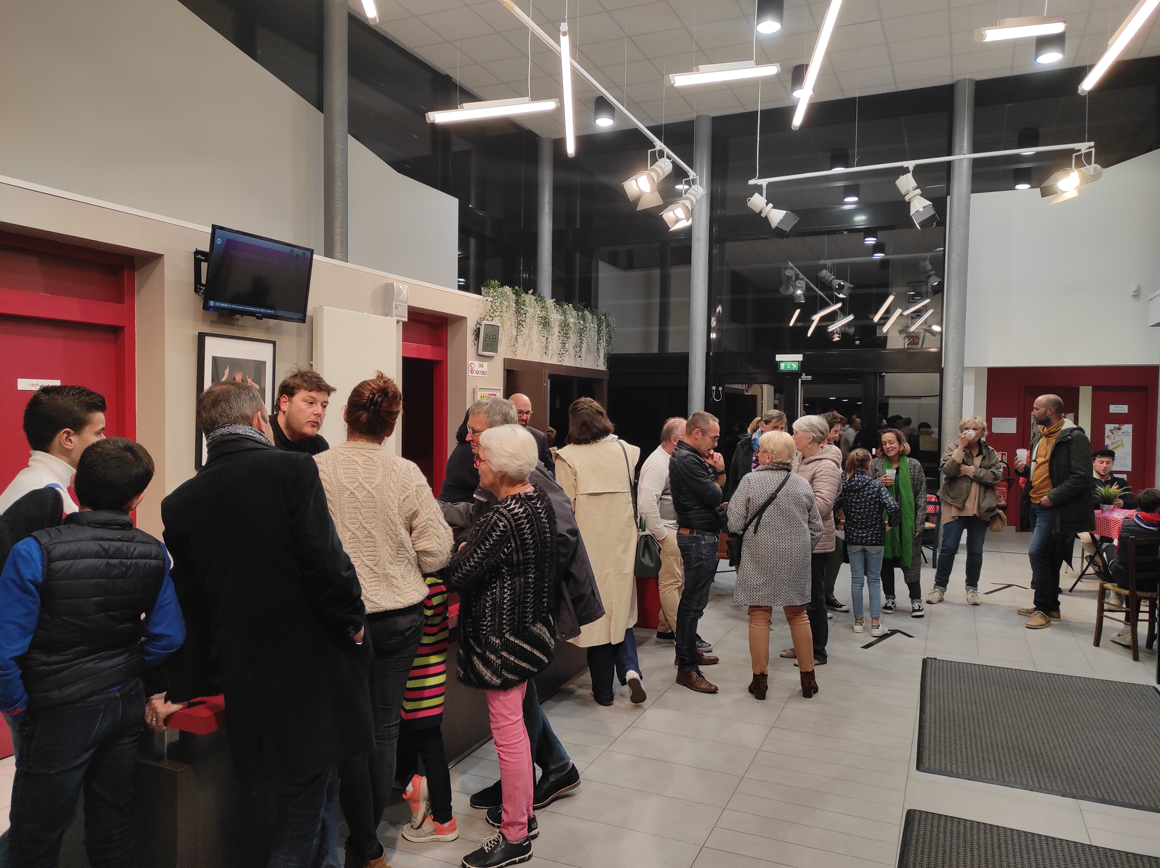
x,y
1117,408
1003,425
31,385
477,369
1118,438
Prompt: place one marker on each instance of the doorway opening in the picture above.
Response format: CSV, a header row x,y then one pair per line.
x,y
424,384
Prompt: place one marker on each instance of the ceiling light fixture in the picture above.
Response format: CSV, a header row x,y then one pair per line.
x,y
935,327
796,312
797,81
643,186
839,159
1119,42
1020,28
815,66
770,14
915,307
371,12
869,236
782,221
878,251
882,309
897,313
841,288
718,72
494,108
799,294
821,313
1023,178
921,210
603,114
1028,138
920,320
566,79
850,193
834,326
1065,183
680,213
813,325
928,274
1049,49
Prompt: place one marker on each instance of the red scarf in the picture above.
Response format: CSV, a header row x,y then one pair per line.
x,y
1152,518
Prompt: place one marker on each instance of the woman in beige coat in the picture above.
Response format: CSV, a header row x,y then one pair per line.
x,y
595,471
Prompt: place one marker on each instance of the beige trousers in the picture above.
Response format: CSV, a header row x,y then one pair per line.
x,y
670,583
799,628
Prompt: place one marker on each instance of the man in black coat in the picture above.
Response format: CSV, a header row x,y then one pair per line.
x,y
461,478
523,405
270,595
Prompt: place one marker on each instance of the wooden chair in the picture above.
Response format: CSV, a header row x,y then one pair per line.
x,y
1143,559
930,528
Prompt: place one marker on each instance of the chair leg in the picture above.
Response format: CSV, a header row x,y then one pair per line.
x,y
1134,616
1151,624
1100,592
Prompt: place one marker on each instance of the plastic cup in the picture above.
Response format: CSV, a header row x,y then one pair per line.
x,y
1021,456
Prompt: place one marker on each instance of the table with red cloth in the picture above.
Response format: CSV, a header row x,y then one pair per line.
x,y
1108,523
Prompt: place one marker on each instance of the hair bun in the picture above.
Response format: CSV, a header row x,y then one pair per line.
x,y
374,401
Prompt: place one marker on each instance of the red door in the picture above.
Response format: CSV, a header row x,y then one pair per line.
x,y
1121,406
424,384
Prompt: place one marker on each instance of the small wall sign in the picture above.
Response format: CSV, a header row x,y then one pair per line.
x,y
1117,408
31,385
477,369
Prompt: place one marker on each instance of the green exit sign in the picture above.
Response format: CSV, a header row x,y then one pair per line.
x,y
789,366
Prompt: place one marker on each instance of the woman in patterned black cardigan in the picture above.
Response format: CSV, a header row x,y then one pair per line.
x,y
505,576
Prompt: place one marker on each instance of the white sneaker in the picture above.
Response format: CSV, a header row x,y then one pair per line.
x,y
935,596
973,597
876,630
858,626
1124,637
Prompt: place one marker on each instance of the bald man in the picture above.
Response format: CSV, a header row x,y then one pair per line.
x,y
523,405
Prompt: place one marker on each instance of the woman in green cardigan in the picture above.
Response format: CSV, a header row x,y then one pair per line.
x,y
904,478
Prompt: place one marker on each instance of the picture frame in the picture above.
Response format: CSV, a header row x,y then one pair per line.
x,y
229,356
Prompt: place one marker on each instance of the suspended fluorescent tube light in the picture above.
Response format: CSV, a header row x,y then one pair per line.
x,y
890,322
813,325
371,12
815,66
882,309
494,108
1020,28
915,307
717,72
921,320
566,78
821,313
796,312
834,326
1119,42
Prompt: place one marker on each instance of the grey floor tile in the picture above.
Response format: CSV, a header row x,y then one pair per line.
x,y
685,750
794,855
698,726
587,844
651,813
784,831
894,779
821,801
656,776
875,830
822,784
711,858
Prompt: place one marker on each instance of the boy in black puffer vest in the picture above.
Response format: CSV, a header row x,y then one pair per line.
x,y
85,609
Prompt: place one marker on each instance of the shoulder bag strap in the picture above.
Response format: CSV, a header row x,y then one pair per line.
x,y
757,515
631,481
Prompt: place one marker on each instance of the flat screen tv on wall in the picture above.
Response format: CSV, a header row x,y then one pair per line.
x,y
249,275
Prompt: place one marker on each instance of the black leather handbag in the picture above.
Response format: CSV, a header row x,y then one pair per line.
x,y
733,543
648,550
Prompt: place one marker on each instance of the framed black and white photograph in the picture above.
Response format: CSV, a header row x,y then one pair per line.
x,y
243,360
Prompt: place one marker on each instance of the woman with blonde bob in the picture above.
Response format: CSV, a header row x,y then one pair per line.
x,y
972,468
775,512
745,455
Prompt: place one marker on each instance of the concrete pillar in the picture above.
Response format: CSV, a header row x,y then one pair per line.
x,y
699,273
544,223
335,72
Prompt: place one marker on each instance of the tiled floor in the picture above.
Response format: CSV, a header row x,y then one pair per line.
x,y
728,782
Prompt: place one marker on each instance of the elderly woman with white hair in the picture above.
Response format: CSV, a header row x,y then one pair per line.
x,y
821,465
505,577
776,515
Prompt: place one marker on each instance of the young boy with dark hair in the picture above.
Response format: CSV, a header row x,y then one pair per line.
x,y
60,422
85,609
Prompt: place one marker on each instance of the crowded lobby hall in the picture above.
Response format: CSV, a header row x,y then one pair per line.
x,y
582,433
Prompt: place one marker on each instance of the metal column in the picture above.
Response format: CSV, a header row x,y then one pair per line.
x,y
954,334
334,128
699,273
544,224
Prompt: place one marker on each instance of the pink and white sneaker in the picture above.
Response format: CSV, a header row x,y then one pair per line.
x,y
417,798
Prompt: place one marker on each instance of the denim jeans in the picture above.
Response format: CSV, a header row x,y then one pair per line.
x,y
865,568
952,534
816,608
547,752
626,657
90,744
1045,560
699,556
15,732
300,833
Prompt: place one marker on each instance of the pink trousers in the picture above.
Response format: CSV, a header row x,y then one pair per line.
x,y
506,714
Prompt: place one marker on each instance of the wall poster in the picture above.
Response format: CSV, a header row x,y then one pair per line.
x,y
1118,438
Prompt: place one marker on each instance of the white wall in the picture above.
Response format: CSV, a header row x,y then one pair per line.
x,y
1049,284
141,103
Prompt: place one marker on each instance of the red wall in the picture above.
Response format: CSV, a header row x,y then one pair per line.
x,y
1011,391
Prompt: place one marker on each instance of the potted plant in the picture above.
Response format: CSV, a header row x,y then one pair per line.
x,y
1108,495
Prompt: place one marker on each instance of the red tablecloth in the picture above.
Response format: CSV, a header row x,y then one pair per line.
x,y
1108,523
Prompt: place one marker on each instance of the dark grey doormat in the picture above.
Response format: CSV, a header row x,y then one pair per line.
x,y
1083,738
938,841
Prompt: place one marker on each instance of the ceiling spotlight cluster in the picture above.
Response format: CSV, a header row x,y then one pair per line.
x,y
644,189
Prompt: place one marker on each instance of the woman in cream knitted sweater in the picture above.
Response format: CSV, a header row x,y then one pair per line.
x,y
391,527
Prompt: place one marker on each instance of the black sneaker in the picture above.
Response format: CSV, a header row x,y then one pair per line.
x,y
836,605
554,785
888,605
666,638
916,610
497,852
702,645
495,820
488,797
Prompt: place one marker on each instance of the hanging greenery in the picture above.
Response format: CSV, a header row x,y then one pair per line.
x,y
570,330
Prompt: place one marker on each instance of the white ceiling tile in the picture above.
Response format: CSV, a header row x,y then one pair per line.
x,y
486,48
855,36
920,49
411,33
725,54
859,58
858,11
721,33
641,71
497,17
442,55
389,10
861,79
456,23
648,18
663,43
497,91
908,8
713,99
692,12
595,28
917,26
935,69
609,54
511,70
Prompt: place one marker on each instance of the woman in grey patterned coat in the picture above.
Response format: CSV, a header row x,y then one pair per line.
x,y
775,555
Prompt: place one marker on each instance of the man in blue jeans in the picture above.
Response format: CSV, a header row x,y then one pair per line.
x,y
696,474
1056,505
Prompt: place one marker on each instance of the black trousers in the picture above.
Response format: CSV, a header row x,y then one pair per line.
x,y
426,743
816,608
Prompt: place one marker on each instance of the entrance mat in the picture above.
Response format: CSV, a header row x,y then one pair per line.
x,y
938,841
1082,738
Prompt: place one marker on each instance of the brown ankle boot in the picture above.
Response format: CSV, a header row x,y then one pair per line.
x,y
809,684
353,861
759,686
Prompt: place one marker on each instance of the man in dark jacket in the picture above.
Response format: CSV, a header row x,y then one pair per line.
x,y
461,478
523,405
1103,460
268,591
696,474
1056,505
578,598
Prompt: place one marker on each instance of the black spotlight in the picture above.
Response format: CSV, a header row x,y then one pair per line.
x,y
1049,49
869,236
797,81
879,250
1028,138
839,159
1023,178
850,194
770,14
603,114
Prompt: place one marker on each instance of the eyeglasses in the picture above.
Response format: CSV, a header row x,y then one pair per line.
x,y
523,413
471,432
